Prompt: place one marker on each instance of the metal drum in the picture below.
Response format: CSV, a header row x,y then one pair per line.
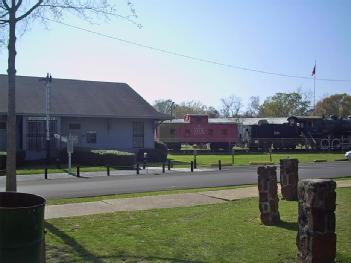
x,y
21,228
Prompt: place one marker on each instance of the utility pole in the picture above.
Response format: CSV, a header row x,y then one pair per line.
x,y
170,123
172,104
314,85
47,80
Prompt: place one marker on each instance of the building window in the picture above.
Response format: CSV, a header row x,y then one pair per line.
x,y
2,125
91,137
224,132
210,132
74,126
36,134
138,134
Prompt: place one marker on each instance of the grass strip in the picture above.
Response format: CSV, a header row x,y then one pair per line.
x,y
228,232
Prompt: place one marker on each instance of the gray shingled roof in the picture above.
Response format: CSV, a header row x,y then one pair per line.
x,y
244,121
78,98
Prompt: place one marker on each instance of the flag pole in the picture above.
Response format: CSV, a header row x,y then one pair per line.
x,y
314,87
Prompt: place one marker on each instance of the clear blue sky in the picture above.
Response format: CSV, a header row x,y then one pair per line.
x,y
272,35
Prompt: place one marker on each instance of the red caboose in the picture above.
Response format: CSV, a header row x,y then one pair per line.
x,y
198,129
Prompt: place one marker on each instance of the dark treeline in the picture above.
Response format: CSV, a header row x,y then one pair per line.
x,y
279,105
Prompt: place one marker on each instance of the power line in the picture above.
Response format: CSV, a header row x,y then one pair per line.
x,y
165,51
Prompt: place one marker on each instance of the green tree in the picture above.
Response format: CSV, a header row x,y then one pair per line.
x,y
189,107
212,112
15,14
338,104
185,107
285,104
164,106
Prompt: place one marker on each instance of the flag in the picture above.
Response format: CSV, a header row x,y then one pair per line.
x,y
314,70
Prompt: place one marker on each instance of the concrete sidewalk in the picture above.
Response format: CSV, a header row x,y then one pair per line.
x,y
156,202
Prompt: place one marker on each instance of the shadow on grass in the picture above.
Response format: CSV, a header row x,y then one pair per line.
x,y
292,226
148,258
88,256
72,243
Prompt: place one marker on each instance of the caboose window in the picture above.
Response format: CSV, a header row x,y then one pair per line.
x,y
224,132
210,132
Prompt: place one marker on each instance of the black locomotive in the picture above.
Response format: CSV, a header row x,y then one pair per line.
x,y
310,132
322,133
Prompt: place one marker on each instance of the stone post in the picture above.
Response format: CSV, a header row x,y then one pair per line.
x,y
289,178
316,238
268,195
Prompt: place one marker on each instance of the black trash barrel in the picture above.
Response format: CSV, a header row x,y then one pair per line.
x,y
21,227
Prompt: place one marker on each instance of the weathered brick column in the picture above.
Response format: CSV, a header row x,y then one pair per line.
x,y
289,177
268,195
316,239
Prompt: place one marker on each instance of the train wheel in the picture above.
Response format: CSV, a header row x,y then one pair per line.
x,y
336,144
325,144
276,146
214,147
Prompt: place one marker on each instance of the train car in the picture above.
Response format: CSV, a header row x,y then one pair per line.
x,y
322,133
264,135
200,130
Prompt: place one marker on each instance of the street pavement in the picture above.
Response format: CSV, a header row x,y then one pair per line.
x,y
152,179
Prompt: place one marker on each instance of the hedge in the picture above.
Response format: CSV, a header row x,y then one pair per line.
x,y
159,154
20,158
100,158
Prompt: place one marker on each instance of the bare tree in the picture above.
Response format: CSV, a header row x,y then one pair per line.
x,y
231,106
16,13
253,107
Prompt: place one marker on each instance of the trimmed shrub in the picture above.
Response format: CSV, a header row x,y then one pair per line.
x,y
100,158
115,158
2,160
20,159
159,154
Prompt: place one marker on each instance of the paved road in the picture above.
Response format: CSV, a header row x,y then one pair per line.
x,y
97,184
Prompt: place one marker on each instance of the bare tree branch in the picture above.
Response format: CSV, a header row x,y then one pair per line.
x,y
18,4
7,7
29,11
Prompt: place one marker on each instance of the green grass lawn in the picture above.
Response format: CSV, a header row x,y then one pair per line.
x,y
246,159
183,160
39,169
229,232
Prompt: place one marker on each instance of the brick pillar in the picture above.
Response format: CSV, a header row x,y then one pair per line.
x,y
316,239
289,178
268,195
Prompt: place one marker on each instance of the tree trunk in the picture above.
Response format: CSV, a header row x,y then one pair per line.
x,y
11,184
